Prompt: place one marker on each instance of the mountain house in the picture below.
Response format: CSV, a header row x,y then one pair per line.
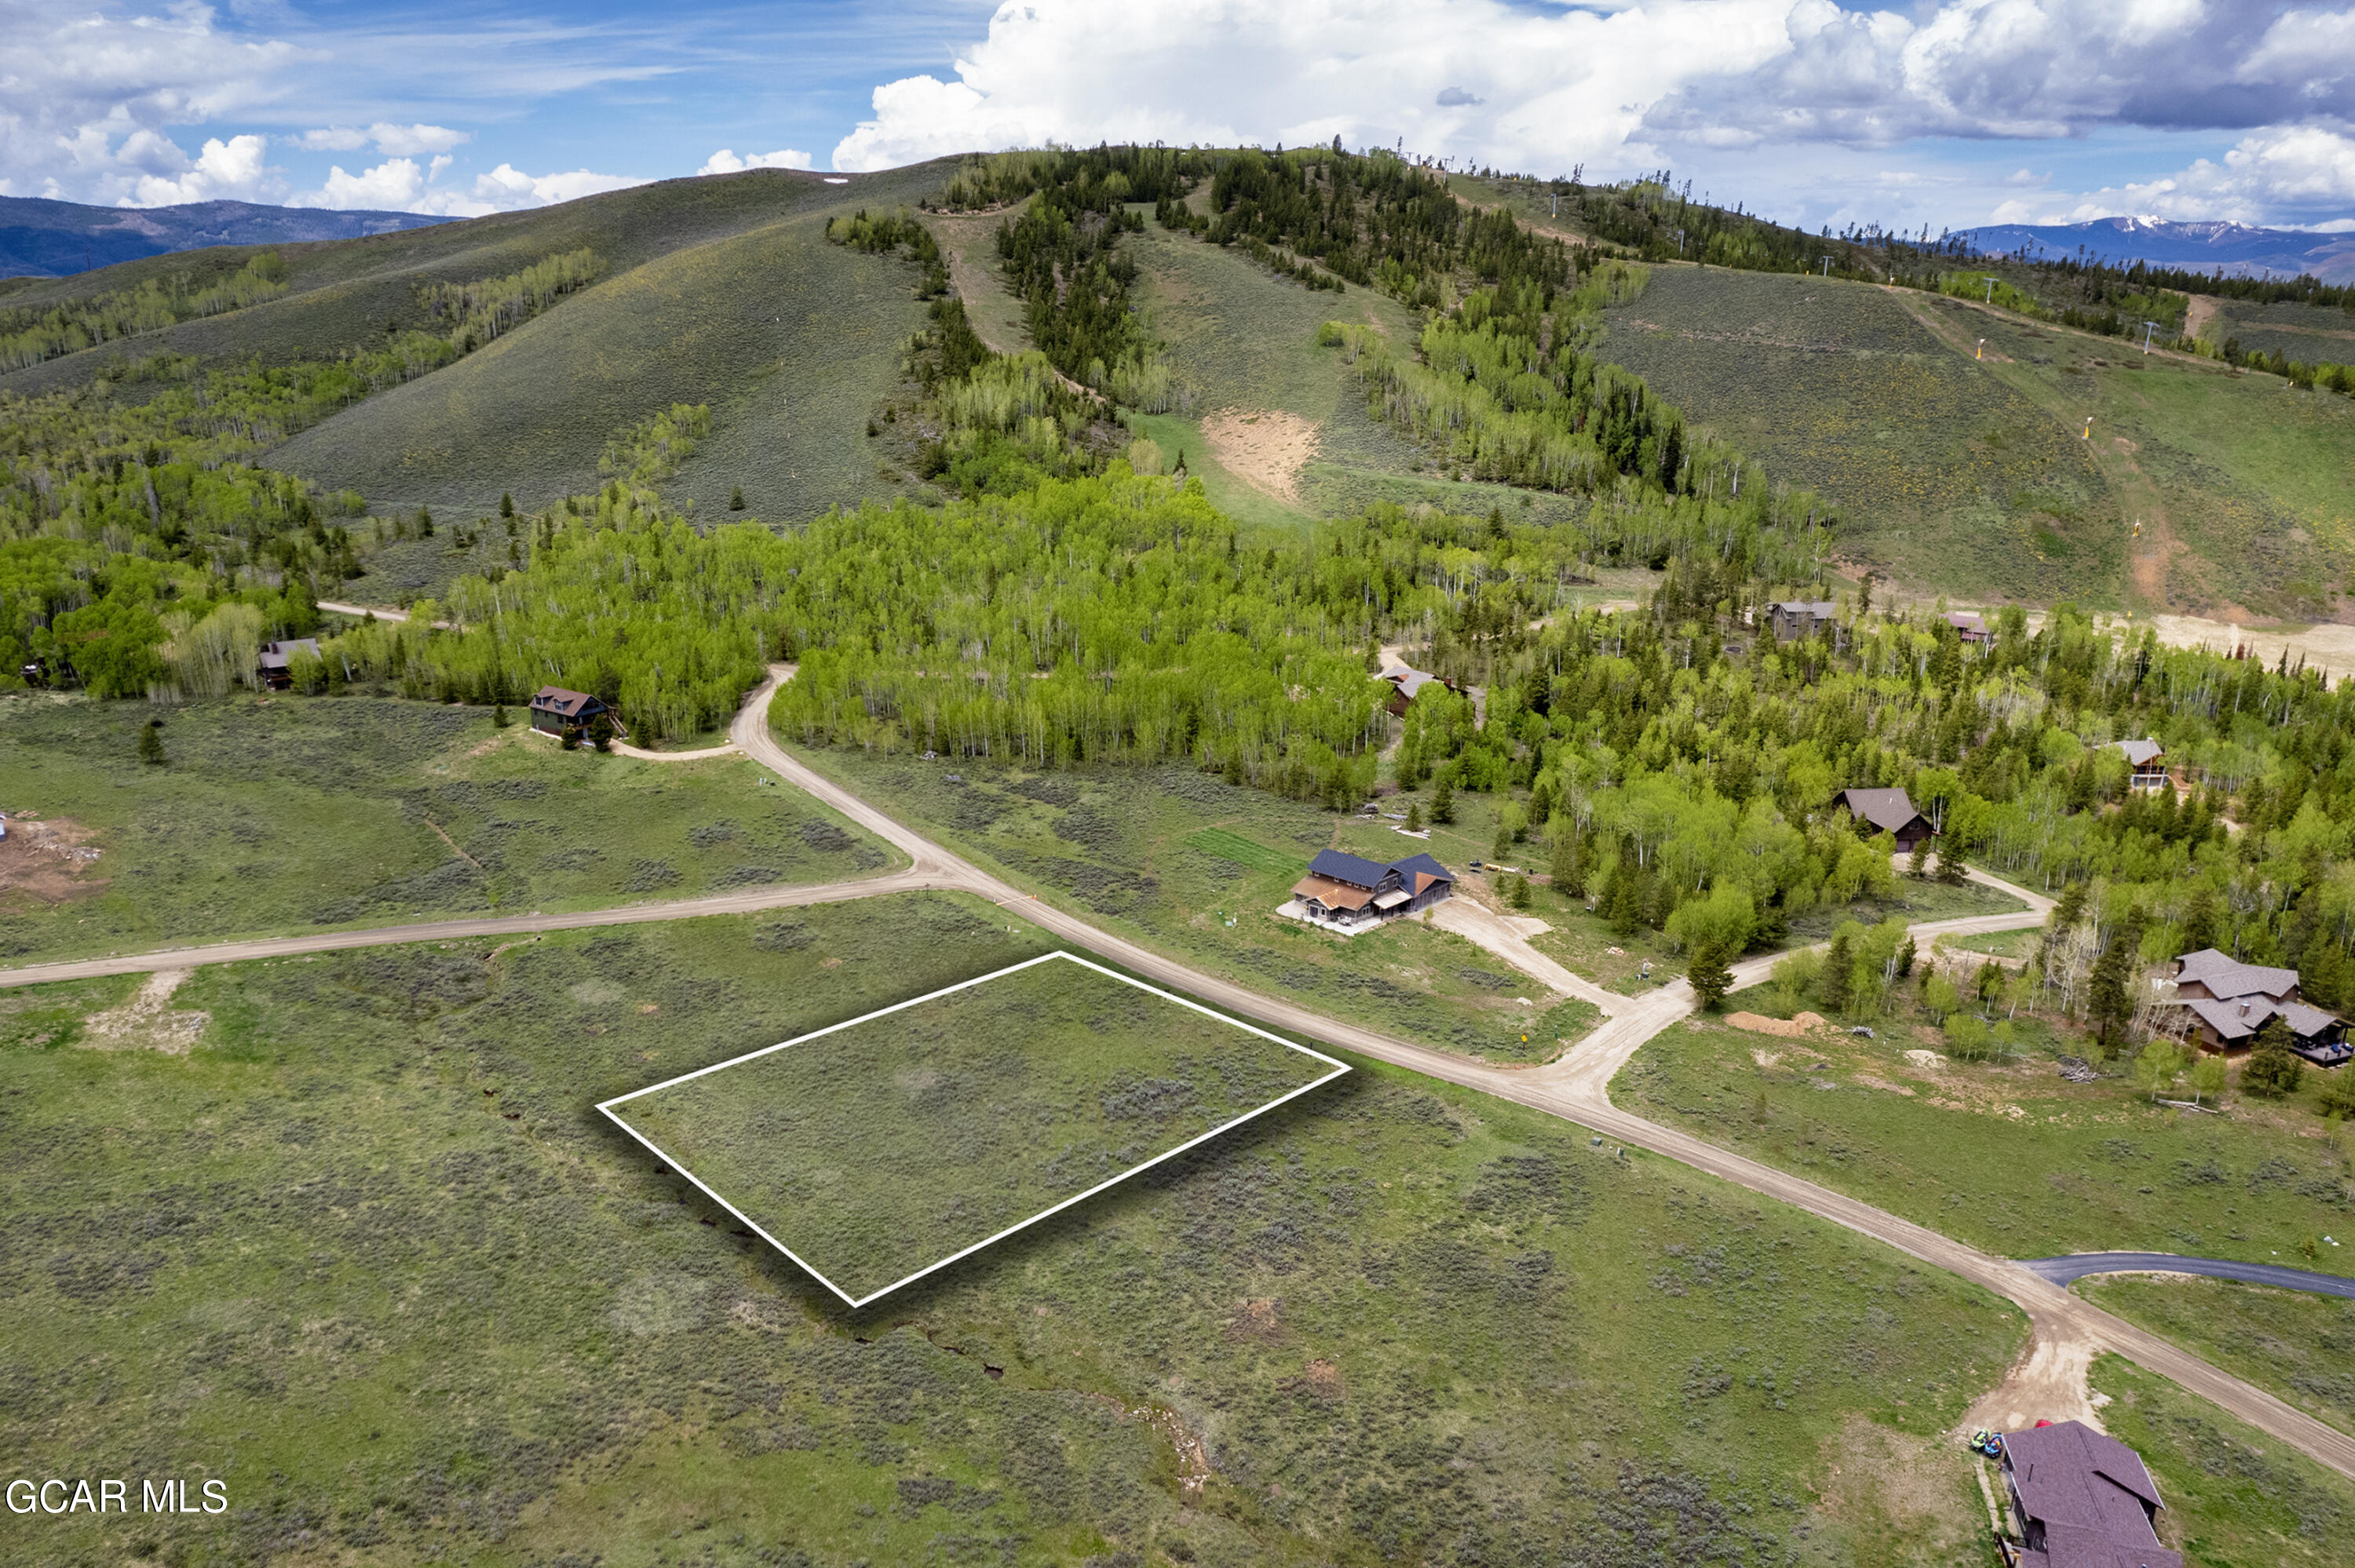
x,y
2080,1498
1888,811
1351,891
555,710
2229,1001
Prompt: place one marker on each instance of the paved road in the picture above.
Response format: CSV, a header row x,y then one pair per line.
x,y
2078,1264
1576,1086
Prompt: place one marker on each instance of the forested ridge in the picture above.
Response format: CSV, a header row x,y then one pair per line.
x,y
1064,610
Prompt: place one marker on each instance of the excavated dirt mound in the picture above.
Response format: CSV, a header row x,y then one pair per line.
x,y
48,859
1266,450
1794,1027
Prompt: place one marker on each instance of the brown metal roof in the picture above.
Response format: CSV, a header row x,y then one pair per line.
x,y
563,703
1331,893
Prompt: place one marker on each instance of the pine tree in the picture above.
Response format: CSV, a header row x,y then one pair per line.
x,y
1951,868
1710,977
1569,876
1414,819
151,743
2272,1071
1917,865
2069,908
1620,908
1520,897
1503,845
1836,987
736,499
2109,995
499,719
506,505
2200,919
1443,801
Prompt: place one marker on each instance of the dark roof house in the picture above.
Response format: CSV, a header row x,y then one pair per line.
x,y
554,709
1408,681
2210,973
1969,626
2081,1498
277,661
1887,811
1796,618
2229,1001
1347,888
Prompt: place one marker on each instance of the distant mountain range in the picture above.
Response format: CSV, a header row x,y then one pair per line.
x,y
2232,248
52,239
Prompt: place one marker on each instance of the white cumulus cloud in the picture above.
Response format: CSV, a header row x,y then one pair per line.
x,y
726,162
224,171
398,141
400,185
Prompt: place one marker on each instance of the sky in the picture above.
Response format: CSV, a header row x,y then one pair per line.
x,y
1944,113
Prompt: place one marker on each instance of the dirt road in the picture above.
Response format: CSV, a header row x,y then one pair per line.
x,y
1576,1086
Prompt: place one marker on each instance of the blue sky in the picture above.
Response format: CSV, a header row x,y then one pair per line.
x,y
1945,112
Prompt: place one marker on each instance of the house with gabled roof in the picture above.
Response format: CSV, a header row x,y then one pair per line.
x,y
1888,811
2146,758
2080,1498
1793,619
555,710
1406,682
2229,1001
1968,626
1350,891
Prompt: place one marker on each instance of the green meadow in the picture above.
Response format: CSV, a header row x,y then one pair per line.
x,y
1389,1321
279,815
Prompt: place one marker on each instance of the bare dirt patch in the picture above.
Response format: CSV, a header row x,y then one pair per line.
x,y
1265,450
147,1022
2047,1383
47,861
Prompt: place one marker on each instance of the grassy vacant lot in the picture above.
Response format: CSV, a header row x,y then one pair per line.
x,y
2235,1498
1121,845
1968,475
2012,1159
2298,1346
878,1151
369,1255
309,812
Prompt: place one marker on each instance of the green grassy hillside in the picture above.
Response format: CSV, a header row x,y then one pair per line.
x,y
720,290
791,340
2300,331
1969,475
344,293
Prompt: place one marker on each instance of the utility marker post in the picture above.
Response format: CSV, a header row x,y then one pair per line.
x,y
2147,328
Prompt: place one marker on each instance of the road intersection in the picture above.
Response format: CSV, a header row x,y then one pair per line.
x,y
1576,1086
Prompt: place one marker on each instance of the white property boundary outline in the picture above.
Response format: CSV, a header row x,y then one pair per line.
x,y
607,1106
